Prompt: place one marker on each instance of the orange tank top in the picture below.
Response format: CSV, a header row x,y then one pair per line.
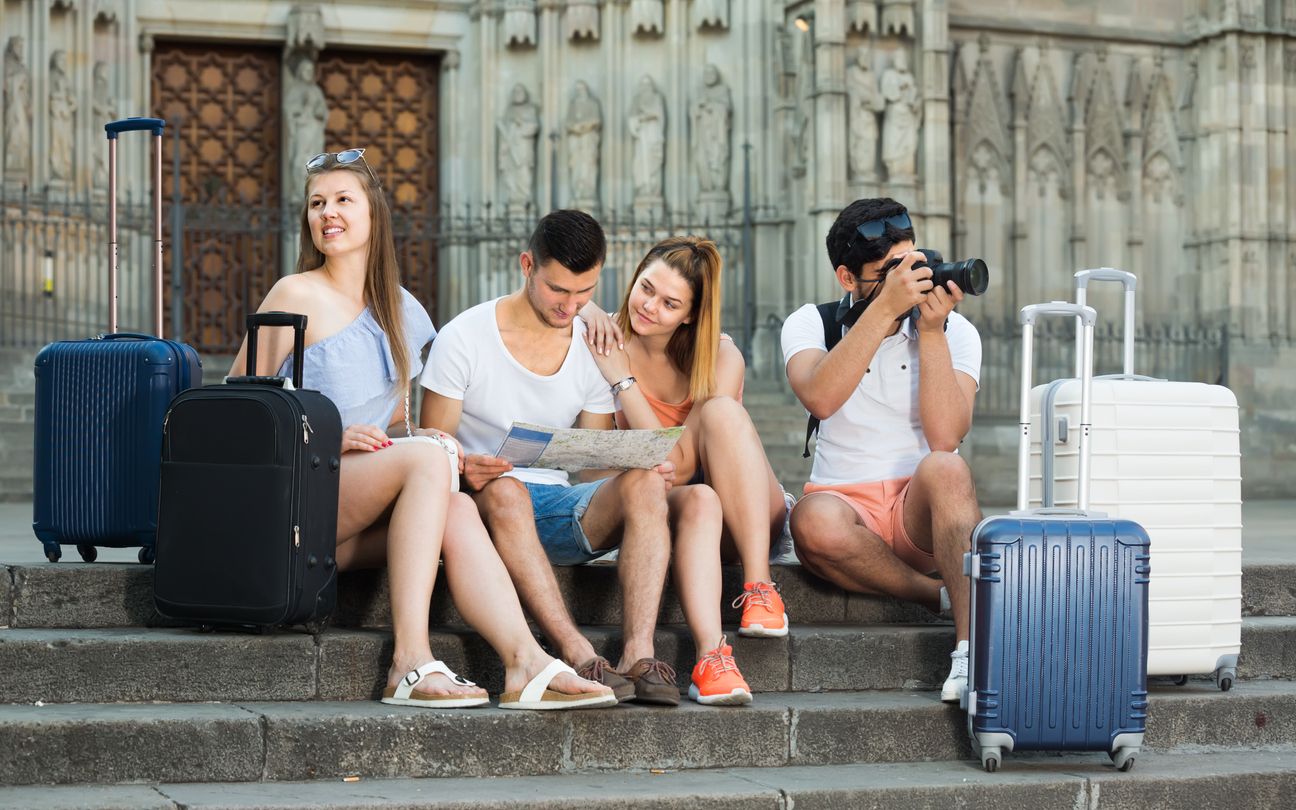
x,y
669,414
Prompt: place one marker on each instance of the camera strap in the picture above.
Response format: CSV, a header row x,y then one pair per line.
x,y
828,313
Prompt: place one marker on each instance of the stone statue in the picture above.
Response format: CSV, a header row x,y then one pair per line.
x,y
647,16
647,126
712,119
713,13
518,129
305,116
900,124
581,19
62,116
104,110
864,102
584,132
17,108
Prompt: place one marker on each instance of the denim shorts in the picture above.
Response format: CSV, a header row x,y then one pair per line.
x,y
558,512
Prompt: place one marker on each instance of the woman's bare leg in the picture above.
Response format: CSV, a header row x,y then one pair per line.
x,y
696,521
486,599
411,483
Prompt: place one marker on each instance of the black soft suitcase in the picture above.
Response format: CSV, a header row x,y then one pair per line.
x,y
247,513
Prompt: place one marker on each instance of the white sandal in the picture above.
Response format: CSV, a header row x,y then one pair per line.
x,y
404,693
538,696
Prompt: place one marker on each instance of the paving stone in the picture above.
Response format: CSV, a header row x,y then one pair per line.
x,y
95,595
888,727
1268,648
86,797
105,666
1258,713
837,658
313,740
157,743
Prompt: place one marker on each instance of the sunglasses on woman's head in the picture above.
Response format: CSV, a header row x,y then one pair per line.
x,y
346,157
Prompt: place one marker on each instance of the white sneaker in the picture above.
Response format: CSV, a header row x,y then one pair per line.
x,y
957,683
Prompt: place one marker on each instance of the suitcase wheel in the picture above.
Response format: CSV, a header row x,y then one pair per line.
x,y
990,757
88,553
1123,758
53,555
147,555
316,627
1224,678
1181,680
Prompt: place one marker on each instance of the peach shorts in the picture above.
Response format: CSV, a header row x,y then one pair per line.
x,y
880,506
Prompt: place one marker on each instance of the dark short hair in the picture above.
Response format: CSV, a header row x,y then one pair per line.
x,y
572,238
846,247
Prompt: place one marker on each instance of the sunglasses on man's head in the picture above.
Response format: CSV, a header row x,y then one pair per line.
x,y
876,227
346,157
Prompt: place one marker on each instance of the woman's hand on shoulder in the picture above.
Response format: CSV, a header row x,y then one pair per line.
x,y
602,334
365,438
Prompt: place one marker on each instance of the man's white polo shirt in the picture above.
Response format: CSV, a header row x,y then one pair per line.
x,y
876,434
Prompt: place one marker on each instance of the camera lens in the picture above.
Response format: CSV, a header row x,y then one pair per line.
x,y
971,275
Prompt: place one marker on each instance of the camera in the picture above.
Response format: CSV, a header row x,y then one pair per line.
x,y
971,275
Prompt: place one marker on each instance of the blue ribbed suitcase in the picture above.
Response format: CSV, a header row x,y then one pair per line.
x,y
100,403
1058,649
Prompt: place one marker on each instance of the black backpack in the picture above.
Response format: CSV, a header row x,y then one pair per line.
x,y
832,336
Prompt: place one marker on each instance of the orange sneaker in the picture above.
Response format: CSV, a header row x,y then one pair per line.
x,y
763,613
716,680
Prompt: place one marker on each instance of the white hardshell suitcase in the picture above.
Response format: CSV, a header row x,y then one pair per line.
x,y
1166,455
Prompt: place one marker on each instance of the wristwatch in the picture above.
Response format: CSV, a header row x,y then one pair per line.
x,y
621,386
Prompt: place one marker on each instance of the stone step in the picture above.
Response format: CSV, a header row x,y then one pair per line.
x,y
1215,779
184,665
74,594
251,742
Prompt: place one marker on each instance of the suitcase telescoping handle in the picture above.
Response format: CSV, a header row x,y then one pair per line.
x,y
1029,315
298,323
1127,280
114,128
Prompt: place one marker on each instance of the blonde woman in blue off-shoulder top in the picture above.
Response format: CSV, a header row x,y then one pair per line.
x,y
397,501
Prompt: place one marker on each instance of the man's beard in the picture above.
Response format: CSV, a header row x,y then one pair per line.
x,y
543,314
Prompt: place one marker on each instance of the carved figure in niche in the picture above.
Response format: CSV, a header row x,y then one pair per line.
x,y
62,113
584,132
581,19
104,110
647,126
900,124
647,16
712,117
865,102
519,22
17,108
714,13
518,129
305,113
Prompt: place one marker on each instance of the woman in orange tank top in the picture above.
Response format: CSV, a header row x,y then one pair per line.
x,y
676,368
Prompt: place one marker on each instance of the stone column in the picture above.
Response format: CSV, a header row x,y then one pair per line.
x,y
829,158
934,165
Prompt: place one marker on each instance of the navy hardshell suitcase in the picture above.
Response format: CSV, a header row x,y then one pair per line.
x,y
1059,630
247,520
100,403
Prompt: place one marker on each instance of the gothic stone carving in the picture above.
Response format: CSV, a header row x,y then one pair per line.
x,y
711,13
62,115
584,133
712,115
647,16
582,19
900,125
864,99
647,126
104,110
898,17
305,31
519,22
305,116
17,110
863,16
518,129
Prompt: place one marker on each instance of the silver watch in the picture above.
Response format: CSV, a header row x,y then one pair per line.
x,y
621,386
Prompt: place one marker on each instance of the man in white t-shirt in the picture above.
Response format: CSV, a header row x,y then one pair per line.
x,y
520,357
889,500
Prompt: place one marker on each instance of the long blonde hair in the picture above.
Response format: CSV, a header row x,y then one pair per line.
x,y
382,287
695,346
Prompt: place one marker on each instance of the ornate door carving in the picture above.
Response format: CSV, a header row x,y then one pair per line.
x,y
387,103
225,101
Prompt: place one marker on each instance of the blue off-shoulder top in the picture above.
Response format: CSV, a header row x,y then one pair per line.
x,y
355,369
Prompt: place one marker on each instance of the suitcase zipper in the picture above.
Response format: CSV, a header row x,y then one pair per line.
x,y
296,537
306,430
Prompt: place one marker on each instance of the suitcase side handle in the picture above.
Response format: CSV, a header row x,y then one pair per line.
x,y
1127,280
1087,317
298,323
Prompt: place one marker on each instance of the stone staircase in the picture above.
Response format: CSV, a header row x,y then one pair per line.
x,y
107,706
